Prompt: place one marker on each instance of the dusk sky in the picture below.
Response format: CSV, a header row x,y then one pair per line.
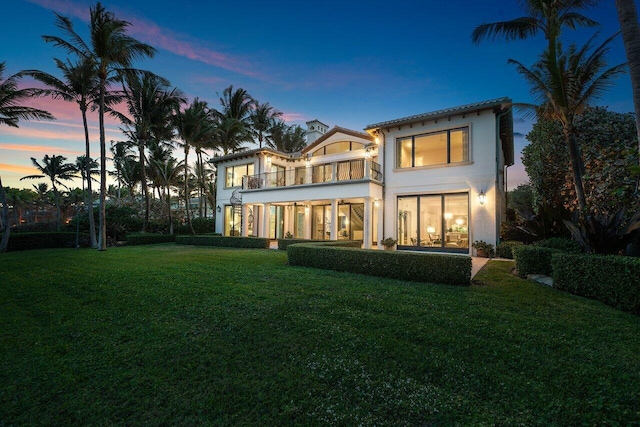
x,y
347,63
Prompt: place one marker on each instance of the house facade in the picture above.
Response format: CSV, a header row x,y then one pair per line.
x,y
433,181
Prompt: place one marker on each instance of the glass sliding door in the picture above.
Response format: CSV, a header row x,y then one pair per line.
x,y
298,226
438,221
276,222
321,222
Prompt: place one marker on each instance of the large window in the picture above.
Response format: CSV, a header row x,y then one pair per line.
x,y
232,220
434,221
235,174
449,146
338,147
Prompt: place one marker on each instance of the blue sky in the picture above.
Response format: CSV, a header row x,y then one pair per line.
x,y
347,63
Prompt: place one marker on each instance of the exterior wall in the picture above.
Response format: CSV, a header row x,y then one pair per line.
x,y
478,174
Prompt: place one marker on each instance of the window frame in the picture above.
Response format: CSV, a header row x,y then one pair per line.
x,y
448,131
233,176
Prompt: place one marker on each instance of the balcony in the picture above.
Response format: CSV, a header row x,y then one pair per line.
x,y
350,170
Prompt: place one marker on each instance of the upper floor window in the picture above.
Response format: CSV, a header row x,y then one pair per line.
x,y
338,147
235,174
449,146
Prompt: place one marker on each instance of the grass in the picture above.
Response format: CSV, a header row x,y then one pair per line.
x,y
180,335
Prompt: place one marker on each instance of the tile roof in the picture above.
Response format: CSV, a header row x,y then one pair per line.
x,y
447,112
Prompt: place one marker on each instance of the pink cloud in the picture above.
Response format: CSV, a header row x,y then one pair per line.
x,y
294,117
151,33
24,170
41,149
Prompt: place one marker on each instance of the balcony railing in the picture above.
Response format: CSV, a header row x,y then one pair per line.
x,y
349,170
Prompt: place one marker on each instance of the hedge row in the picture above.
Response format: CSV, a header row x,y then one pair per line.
x,y
417,267
283,244
149,238
505,249
224,241
612,280
46,240
533,259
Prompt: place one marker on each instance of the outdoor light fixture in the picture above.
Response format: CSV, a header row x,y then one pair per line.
x,y
367,153
268,160
482,197
376,203
306,209
219,209
308,161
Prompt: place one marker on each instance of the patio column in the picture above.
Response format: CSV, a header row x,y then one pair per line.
x,y
381,219
265,220
334,219
368,217
245,220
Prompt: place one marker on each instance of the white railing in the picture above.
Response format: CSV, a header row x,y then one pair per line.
x,y
349,170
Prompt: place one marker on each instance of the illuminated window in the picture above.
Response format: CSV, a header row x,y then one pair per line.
x,y
449,146
338,147
235,174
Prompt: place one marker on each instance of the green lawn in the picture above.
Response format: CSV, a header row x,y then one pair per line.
x,y
180,335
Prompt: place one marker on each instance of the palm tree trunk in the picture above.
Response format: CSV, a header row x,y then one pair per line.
x,y
4,243
102,234
92,225
186,188
144,186
577,168
56,197
628,17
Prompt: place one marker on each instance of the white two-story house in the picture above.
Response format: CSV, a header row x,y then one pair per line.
x,y
433,181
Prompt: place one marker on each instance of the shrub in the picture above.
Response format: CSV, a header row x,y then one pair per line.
x,y
612,280
46,240
533,259
149,238
225,241
413,266
283,244
564,245
38,227
503,250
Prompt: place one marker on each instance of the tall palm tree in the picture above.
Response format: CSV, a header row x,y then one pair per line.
x,y
80,84
229,135
237,104
12,98
630,28
112,50
262,119
42,195
151,105
54,168
543,16
288,139
195,127
564,85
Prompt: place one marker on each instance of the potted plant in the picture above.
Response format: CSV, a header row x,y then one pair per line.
x,y
483,249
389,243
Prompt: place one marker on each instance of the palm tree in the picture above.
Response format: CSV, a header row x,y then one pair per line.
x,y
168,173
229,135
628,17
262,119
288,139
80,85
564,85
151,104
42,195
54,168
120,154
543,16
237,104
195,127
11,98
112,49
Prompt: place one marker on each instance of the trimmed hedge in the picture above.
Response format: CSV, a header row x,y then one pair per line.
x,y
224,241
283,244
562,244
533,259
412,266
46,240
504,249
613,280
149,238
